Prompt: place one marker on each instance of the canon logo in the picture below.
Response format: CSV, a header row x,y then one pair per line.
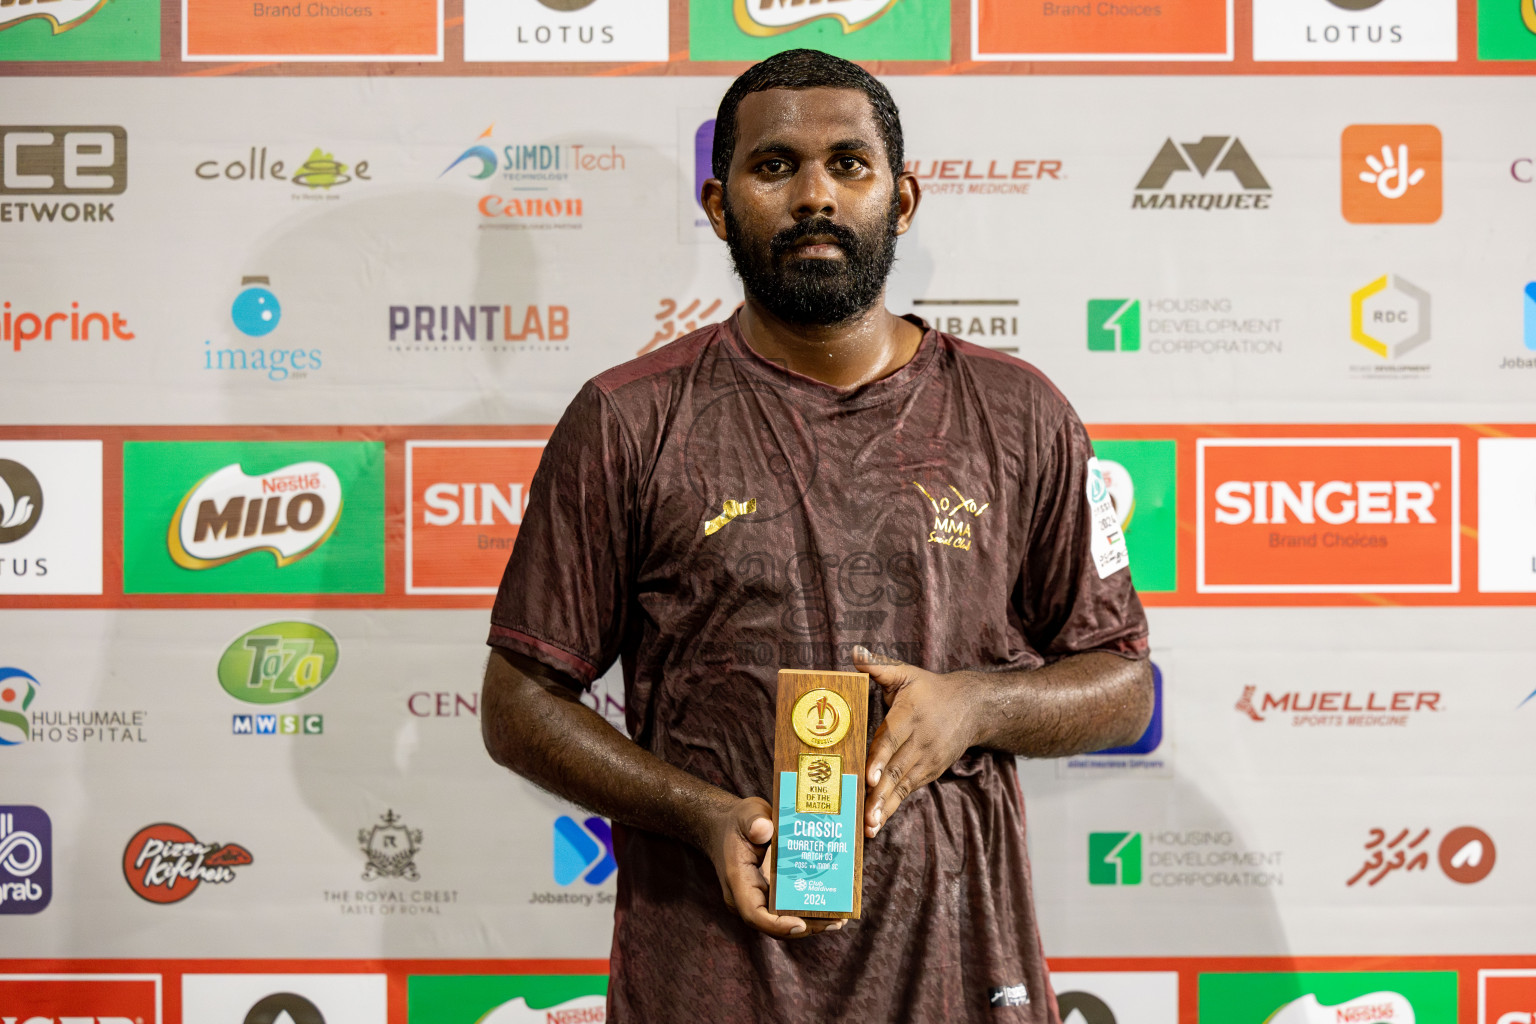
x,y
1334,502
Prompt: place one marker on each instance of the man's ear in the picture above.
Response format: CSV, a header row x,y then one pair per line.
x,y
712,198
909,194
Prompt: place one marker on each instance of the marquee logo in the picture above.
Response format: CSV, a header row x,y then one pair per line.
x,y
1216,160
1391,173
164,863
773,17
289,512
464,506
278,662
80,998
26,861
1327,515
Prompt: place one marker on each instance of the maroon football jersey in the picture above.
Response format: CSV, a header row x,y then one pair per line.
x,y
710,517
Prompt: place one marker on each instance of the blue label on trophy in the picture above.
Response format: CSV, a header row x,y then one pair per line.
x,y
813,859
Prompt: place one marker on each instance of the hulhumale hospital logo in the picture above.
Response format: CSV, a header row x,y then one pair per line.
x,y
17,690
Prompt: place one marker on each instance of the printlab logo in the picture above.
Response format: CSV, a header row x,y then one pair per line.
x,y
1391,173
1114,325
73,161
21,501
1466,855
26,860
583,851
255,313
164,863
1219,161
1114,858
315,176
484,328
391,849
1390,317
17,691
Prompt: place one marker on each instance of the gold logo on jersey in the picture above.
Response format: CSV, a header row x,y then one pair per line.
x,y
821,717
952,517
728,511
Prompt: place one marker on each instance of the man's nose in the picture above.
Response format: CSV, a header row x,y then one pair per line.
x,y
815,193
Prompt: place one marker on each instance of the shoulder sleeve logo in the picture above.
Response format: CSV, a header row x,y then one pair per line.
x,y
290,512
1106,536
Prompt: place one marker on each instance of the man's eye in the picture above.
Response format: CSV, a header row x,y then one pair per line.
x,y
775,166
849,163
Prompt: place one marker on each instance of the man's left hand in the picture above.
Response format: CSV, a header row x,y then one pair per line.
x,y
928,726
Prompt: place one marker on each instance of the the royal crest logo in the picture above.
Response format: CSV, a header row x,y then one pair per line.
x,y
164,863
771,17
229,513
391,848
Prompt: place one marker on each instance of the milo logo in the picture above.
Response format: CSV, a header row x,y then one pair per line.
x,y
278,662
289,512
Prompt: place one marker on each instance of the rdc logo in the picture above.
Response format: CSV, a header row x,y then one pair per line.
x,y
26,860
583,851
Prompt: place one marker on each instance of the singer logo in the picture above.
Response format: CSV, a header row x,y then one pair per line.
x,y
1506,996
464,504
289,512
82,998
1328,515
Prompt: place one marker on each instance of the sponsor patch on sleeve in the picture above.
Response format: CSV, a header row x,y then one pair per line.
x,y
1107,540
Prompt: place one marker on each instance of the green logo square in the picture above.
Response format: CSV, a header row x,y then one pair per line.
x,y
253,517
1114,325
1142,477
1506,30
1114,858
856,30
107,30
1425,997
469,999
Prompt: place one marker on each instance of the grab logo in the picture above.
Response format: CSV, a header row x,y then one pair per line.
x,y
1506,997
464,503
86,998
1328,515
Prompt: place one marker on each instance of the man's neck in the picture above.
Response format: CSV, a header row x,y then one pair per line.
x,y
868,348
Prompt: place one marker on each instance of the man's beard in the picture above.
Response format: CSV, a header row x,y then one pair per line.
x,y
815,292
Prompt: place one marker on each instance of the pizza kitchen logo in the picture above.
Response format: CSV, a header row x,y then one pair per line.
x,y
164,863
289,512
766,18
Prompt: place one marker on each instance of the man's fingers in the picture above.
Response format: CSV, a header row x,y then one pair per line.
x,y
902,775
892,733
891,674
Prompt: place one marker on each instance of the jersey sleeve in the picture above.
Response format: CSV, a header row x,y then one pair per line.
x,y
564,595
1075,592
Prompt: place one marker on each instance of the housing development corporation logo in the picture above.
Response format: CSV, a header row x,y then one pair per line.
x,y
1333,997
66,163
1391,173
164,863
1328,515
464,505
1190,859
80,998
26,860
1114,858
583,851
1114,325
1218,166
1181,326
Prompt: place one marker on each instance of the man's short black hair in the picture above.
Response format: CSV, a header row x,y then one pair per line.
x,y
805,69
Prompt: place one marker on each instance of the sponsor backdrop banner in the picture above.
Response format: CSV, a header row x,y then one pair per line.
x,y
283,346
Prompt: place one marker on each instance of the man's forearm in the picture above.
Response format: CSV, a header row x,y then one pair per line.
x,y
538,728
1081,703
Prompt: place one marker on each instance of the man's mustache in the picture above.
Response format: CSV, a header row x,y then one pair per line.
x,y
787,240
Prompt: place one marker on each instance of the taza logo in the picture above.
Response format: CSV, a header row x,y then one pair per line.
x,y
228,514
164,863
278,662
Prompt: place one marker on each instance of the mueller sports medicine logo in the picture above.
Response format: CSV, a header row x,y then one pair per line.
x,y
1218,165
997,176
68,162
464,506
1328,515
228,514
26,861
772,17
1338,708
165,863
80,998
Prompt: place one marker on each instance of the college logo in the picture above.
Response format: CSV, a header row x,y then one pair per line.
x,y
17,690
62,160
278,662
459,534
1390,316
320,172
165,863
1506,997
26,860
855,29
253,517
583,851
1466,855
80,998
507,999
391,848
1221,162
1329,998
284,998
1328,515
1391,173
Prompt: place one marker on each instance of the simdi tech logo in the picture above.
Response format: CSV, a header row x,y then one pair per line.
x,y
50,517
855,29
1391,173
93,998
225,517
464,504
64,165
1384,997
507,999
1305,515
284,998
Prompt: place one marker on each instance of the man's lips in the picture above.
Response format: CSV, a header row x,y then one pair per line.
x,y
818,247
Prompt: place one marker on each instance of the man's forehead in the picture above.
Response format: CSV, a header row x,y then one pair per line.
x,y
806,116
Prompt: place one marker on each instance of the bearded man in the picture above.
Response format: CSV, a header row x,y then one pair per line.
x,y
816,483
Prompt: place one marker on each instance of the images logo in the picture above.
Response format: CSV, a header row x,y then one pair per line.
x,y
1114,858
26,860
62,160
256,313
17,688
1391,173
1224,153
1114,325
773,17
391,849
80,998
230,513
278,662
1328,515
1390,316
583,851
164,863
459,535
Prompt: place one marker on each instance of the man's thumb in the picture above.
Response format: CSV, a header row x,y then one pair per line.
x,y
888,672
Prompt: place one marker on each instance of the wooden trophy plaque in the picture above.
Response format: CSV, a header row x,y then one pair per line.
x,y
818,768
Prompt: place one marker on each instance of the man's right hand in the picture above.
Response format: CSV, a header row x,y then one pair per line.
x,y
739,845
